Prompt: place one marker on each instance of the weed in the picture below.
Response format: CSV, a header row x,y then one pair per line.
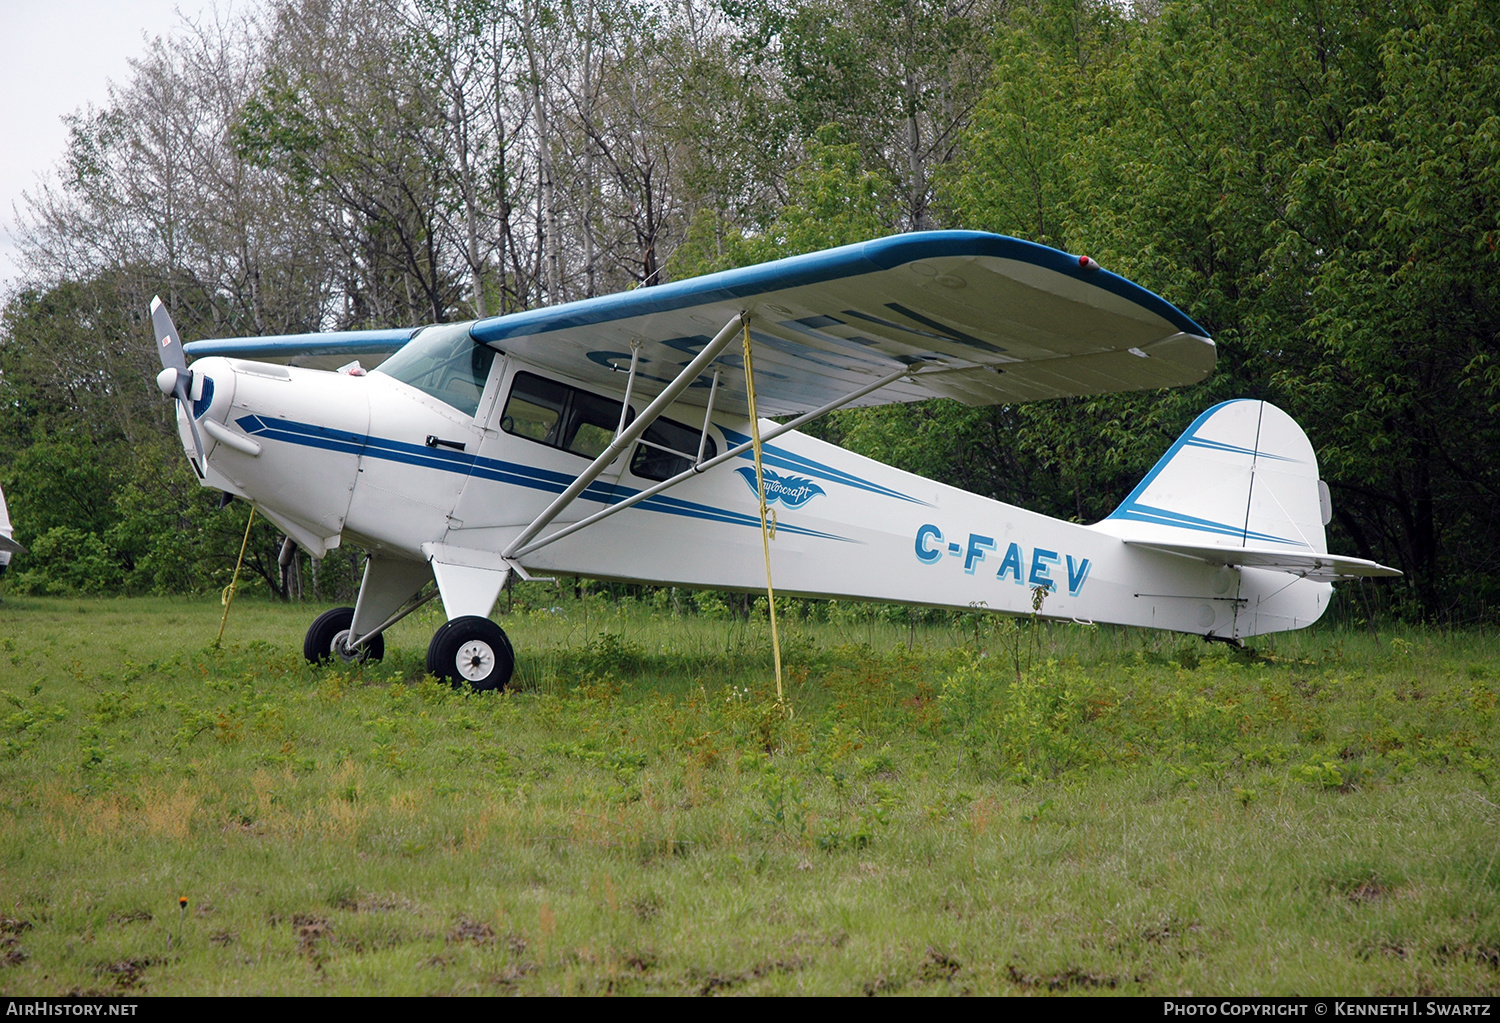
x,y
785,807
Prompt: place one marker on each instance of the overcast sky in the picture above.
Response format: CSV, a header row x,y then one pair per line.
x,y
60,55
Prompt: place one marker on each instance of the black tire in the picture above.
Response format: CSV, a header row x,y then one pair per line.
x,y
471,651
331,627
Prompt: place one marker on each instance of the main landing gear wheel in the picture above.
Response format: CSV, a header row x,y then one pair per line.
x,y
329,632
471,651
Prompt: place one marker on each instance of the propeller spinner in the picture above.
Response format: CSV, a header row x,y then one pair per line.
x,y
175,380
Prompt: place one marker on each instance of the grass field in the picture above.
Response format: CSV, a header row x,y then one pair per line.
x,y
974,807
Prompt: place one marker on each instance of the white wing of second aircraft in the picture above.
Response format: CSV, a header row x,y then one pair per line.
x,y
988,319
8,545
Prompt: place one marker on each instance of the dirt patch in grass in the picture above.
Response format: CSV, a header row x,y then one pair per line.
x,y
134,916
312,932
127,973
1482,955
1070,978
512,975
883,985
1364,883
473,932
1168,930
1386,947
641,961
363,902
11,952
1368,891
937,965
711,982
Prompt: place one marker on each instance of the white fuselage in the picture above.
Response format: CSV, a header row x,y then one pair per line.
x,y
328,456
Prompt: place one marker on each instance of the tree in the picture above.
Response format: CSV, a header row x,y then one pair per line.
x,y
1390,257
901,77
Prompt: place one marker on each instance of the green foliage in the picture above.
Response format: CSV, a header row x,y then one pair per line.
x,y
67,560
62,482
273,128
1392,230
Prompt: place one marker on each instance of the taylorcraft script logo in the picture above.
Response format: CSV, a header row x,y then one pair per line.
x,y
792,491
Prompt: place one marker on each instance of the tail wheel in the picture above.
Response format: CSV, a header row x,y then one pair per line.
x,y
471,651
329,632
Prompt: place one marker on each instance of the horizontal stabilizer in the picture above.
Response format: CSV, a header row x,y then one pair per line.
x,y
1321,567
9,546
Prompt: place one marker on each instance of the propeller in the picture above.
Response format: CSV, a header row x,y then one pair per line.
x,y
175,380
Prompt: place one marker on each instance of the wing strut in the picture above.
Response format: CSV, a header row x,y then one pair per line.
x,y
629,434
516,550
635,355
708,418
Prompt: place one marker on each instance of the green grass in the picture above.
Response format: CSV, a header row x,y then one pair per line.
x,y
973,806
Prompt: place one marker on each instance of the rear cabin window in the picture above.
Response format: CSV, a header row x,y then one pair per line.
x,y
668,448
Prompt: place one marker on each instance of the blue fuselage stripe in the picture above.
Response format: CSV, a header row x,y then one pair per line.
x,y
495,470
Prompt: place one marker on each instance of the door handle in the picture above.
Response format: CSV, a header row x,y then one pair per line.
x,y
435,442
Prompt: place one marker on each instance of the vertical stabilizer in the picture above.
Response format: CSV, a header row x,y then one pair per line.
x,y
1243,475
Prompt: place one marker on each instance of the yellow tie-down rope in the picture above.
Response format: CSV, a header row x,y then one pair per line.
x,y
227,596
767,517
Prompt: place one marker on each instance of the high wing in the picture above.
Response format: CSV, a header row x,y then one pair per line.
x,y
326,350
978,317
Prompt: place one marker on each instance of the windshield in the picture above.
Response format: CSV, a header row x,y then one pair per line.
x,y
445,362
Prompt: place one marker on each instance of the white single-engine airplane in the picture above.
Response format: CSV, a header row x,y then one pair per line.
x,y
611,438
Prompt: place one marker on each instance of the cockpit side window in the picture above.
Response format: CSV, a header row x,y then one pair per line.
x,y
446,363
535,409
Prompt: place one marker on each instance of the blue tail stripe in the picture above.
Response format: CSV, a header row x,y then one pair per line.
x,y
1162,517
1131,510
1215,445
